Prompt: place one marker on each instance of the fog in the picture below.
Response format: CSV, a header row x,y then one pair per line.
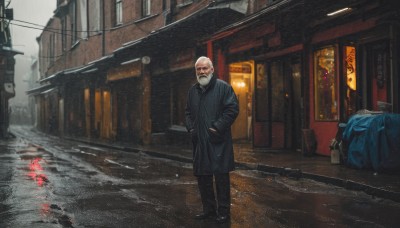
x,y
30,17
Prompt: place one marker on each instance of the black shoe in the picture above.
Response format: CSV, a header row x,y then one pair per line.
x,y
222,218
205,215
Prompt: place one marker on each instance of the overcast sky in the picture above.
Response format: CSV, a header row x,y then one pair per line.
x,y
28,14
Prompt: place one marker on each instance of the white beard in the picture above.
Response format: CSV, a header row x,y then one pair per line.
x,y
203,81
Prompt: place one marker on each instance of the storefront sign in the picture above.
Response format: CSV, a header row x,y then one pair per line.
x,y
243,69
130,70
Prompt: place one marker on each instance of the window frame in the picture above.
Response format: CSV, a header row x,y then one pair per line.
x,y
73,15
326,83
64,34
350,79
118,12
146,8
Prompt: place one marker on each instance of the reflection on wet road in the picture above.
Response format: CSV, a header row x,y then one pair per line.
x,y
48,182
29,188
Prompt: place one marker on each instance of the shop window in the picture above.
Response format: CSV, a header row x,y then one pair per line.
x,y
378,71
325,85
351,80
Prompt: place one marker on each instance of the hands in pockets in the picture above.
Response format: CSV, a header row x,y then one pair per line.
x,y
215,136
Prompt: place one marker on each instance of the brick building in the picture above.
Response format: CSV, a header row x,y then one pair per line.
x,y
119,70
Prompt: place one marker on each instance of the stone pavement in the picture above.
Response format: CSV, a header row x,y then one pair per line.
x,y
292,164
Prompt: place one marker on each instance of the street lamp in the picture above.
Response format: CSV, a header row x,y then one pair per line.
x,y
146,60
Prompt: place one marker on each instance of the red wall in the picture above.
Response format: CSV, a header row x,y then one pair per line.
x,y
326,131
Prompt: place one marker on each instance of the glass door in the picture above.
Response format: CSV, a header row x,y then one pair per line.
x,y
241,78
278,100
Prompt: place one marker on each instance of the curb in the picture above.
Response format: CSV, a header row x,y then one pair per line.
x,y
355,186
282,171
346,184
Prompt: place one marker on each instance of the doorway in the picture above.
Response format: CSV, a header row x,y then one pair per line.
x,y
241,78
278,104
103,121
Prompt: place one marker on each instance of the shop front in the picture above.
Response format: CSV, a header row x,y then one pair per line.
x,y
351,73
75,108
269,90
262,56
172,76
241,76
278,102
120,104
325,102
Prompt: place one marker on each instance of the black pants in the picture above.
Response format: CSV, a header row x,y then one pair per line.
x,y
223,187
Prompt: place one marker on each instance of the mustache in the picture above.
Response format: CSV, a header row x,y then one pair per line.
x,y
202,75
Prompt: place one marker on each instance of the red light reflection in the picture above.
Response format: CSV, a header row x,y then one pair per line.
x,y
36,172
45,209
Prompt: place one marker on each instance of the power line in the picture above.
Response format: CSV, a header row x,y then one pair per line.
x,y
28,23
45,28
44,57
66,32
56,31
25,26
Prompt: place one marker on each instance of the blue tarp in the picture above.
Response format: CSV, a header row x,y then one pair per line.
x,y
373,141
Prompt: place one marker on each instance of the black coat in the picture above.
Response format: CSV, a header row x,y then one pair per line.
x,y
215,106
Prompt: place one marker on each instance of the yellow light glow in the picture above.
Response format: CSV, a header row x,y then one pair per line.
x,y
351,67
239,84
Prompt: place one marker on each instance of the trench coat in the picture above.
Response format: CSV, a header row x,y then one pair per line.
x,y
215,106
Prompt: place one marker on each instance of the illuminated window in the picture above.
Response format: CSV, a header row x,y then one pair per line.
x,y
351,80
325,85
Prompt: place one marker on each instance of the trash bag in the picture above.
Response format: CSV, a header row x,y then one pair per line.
x,y
373,141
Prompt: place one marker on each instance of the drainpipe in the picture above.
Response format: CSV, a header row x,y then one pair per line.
x,y
103,45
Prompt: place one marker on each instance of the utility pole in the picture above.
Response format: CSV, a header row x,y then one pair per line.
x,y
7,64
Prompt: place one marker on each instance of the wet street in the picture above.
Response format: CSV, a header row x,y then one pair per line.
x,y
49,182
